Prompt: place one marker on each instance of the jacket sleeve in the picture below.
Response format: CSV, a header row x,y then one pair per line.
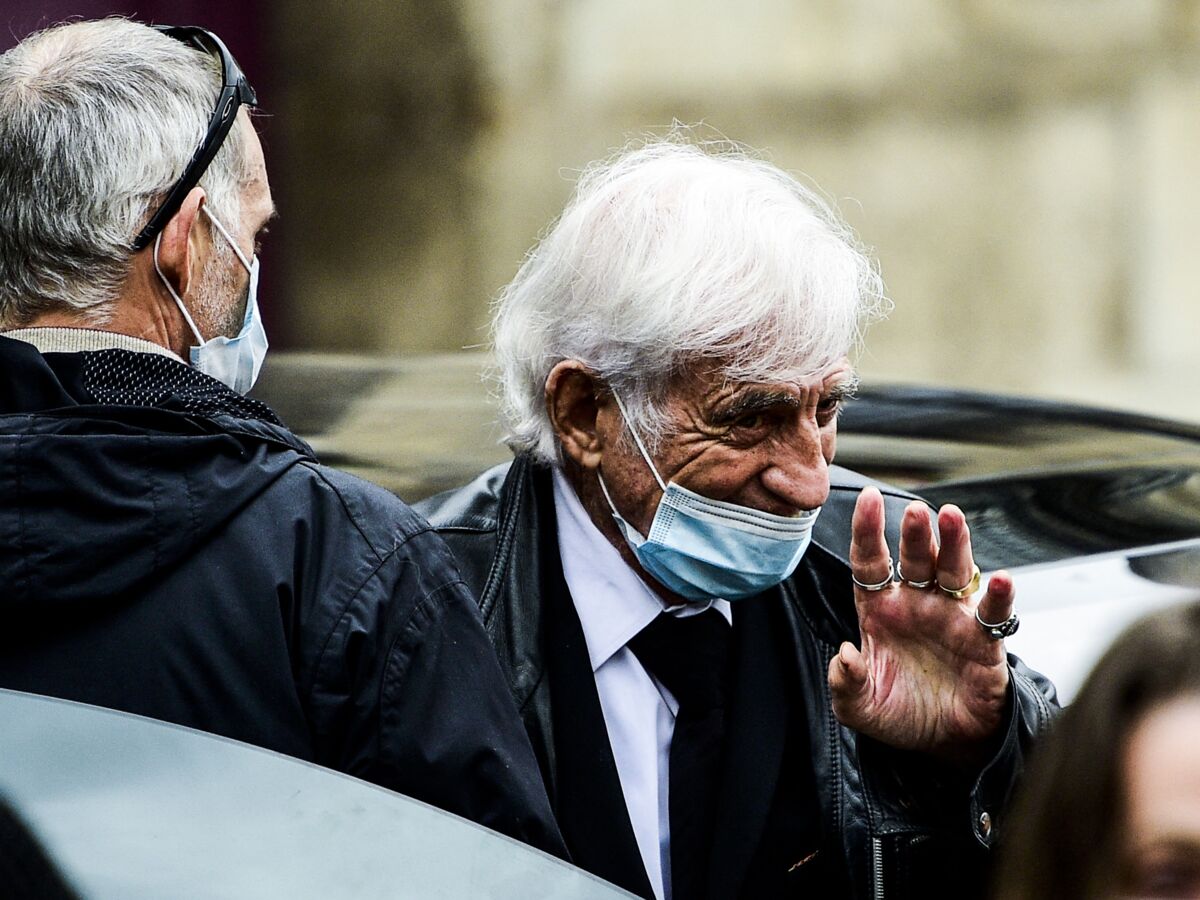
x,y
931,827
409,695
1033,705
965,805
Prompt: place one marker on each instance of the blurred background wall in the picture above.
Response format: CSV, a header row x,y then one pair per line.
x,y
1026,170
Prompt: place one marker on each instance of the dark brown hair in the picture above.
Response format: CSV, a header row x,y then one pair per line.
x,y
1063,835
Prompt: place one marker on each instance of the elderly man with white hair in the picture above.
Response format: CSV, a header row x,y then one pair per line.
x,y
728,692
167,546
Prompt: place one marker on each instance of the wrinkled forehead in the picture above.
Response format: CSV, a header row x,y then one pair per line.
x,y
710,378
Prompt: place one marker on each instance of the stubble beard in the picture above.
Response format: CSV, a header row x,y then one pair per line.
x,y
220,301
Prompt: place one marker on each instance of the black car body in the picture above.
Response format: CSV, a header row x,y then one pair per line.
x,y
1096,511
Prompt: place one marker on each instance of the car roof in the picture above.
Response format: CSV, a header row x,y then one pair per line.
x,y
1040,481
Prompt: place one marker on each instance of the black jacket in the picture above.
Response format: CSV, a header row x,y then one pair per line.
x,y
168,548
896,825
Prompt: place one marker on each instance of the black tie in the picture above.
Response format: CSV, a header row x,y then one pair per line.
x,y
690,656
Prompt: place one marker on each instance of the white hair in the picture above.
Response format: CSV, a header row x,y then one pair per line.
x,y
97,121
673,254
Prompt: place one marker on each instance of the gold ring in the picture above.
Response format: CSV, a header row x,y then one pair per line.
x,y
966,590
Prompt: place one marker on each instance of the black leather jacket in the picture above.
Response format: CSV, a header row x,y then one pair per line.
x,y
905,827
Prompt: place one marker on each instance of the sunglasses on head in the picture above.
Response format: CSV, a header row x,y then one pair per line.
x,y
236,92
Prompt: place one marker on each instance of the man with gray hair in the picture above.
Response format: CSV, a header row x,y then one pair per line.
x,y
728,693
167,547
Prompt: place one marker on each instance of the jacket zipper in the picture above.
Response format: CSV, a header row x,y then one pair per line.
x,y
877,867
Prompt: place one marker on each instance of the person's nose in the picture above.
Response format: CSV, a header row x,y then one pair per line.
x,y
799,473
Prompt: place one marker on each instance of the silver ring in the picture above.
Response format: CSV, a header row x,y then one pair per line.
x,y
879,585
917,584
998,631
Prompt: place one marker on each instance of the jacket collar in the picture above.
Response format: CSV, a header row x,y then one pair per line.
x,y
157,390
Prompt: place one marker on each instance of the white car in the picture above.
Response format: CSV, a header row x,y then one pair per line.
x,y
131,808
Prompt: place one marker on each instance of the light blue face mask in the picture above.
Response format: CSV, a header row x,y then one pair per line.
x,y
236,361
701,548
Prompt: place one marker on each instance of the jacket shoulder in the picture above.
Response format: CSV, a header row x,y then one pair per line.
x,y
468,520
366,566
329,500
473,507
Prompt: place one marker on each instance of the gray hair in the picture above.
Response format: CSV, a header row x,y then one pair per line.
x,y
97,121
672,254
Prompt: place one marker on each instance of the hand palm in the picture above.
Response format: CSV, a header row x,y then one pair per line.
x,y
926,677
924,694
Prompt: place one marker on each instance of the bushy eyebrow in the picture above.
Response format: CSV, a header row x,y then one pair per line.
x,y
752,402
759,401
843,390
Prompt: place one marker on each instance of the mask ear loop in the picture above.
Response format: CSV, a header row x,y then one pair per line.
x,y
637,440
607,496
187,317
228,237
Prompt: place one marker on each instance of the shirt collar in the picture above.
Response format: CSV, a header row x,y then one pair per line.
x,y
64,339
612,601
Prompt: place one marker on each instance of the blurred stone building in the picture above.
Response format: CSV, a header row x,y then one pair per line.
x,y
1024,169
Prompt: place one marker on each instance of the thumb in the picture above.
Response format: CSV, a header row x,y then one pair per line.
x,y
848,681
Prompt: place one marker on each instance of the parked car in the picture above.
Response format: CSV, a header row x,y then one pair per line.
x,y
131,808
1096,512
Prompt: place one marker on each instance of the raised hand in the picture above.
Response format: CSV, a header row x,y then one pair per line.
x,y
927,677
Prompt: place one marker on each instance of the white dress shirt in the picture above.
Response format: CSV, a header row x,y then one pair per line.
x,y
614,604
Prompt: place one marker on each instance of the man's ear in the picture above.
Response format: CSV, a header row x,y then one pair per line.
x,y
178,250
574,396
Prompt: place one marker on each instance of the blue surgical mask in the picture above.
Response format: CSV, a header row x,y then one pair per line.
x,y
701,548
236,361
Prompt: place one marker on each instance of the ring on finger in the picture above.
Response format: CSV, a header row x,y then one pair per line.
x,y
998,631
917,584
879,585
966,590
